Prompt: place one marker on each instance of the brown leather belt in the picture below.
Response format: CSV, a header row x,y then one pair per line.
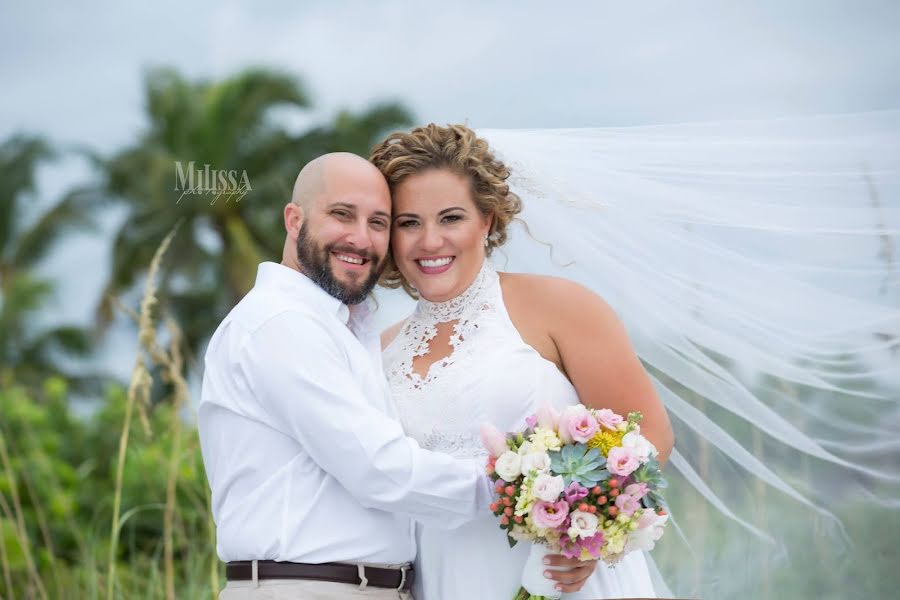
x,y
381,577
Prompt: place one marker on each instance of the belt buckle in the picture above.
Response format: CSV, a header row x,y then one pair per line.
x,y
403,569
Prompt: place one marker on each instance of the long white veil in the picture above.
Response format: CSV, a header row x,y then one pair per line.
x,y
754,265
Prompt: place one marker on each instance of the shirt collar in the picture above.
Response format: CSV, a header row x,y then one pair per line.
x,y
296,284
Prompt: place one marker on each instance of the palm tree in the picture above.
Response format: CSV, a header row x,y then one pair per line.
x,y
30,354
228,125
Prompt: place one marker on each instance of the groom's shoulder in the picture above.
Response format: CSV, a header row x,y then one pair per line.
x,y
271,314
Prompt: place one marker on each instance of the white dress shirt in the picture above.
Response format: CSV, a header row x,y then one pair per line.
x,y
305,456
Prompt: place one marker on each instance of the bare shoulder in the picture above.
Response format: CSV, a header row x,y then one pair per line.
x,y
388,335
557,299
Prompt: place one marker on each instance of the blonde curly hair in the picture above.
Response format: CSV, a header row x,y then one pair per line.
x,y
457,149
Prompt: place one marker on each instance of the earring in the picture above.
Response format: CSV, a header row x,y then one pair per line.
x,y
487,241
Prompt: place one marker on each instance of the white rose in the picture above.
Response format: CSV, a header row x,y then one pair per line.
x,y
583,524
548,488
509,466
525,448
641,446
535,461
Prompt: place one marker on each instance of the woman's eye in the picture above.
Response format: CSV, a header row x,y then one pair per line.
x,y
408,223
452,218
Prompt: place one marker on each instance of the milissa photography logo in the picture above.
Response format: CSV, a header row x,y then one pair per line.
x,y
219,184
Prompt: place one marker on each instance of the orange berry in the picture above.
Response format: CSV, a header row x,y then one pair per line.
x,y
613,482
504,520
507,502
602,500
614,492
494,506
596,491
499,488
508,511
613,511
490,469
583,507
510,490
662,513
592,509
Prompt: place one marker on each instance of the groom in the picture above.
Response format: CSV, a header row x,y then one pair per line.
x,y
314,484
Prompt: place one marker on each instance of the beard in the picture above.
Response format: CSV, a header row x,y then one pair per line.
x,y
316,264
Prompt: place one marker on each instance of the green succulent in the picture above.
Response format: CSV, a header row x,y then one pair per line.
x,y
579,463
650,474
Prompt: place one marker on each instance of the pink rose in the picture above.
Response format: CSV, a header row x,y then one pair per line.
x,y
637,490
622,461
494,441
549,515
608,419
627,504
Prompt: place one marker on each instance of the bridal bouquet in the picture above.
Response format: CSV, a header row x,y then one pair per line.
x,y
583,483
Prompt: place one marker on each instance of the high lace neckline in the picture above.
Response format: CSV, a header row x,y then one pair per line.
x,y
455,308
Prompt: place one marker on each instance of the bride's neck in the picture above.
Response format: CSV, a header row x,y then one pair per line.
x,y
469,287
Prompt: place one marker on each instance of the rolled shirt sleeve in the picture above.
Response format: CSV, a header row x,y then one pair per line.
x,y
320,405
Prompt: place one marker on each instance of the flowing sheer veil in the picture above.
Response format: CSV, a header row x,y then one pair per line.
x,y
754,265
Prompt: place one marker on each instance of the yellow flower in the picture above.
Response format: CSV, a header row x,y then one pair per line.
x,y
606,440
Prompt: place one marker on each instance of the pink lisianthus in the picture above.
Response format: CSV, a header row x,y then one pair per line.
x,y
577,424
494,441
608,419
627,504
549,515
584,427
622,461
574,493
575,548
637,490
566,422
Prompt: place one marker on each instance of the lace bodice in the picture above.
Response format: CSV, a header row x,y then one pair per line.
x,y
490,376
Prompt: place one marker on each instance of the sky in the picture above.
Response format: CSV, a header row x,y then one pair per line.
x,y
73,71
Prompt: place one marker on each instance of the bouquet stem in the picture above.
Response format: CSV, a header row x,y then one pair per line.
x,y
534,585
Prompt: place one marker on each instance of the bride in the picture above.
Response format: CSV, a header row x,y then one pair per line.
x,y
754,267
484,346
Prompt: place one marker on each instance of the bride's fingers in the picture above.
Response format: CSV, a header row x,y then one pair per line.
x,y
560,561
573,579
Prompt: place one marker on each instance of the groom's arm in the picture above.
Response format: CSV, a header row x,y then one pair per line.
x,y
312,397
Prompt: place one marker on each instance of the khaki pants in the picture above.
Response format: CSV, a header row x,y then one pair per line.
x,y
292,589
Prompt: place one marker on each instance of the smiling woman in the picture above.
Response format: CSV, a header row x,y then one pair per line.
x,y
487,347
439,234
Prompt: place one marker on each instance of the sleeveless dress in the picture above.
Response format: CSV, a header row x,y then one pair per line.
x,y
491,376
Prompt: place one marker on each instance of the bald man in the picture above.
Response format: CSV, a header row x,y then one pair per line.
x,y
314,484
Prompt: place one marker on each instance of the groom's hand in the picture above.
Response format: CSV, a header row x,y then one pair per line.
x,y
572,579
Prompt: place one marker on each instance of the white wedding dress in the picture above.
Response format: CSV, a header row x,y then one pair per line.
x,y
491,376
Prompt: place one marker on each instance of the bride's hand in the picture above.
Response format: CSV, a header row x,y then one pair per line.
x,y
576,574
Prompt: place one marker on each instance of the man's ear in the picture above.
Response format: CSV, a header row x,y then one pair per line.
x,y
293,219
